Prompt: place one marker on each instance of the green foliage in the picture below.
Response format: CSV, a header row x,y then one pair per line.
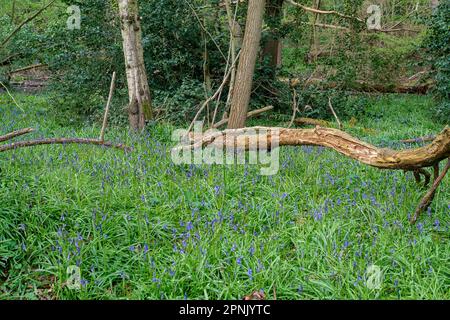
x,y
140,227
83,60
438,47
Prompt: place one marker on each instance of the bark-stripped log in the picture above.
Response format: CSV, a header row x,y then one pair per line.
x,y
414,160
383,158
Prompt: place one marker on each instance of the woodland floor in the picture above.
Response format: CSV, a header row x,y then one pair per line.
x,y
141,227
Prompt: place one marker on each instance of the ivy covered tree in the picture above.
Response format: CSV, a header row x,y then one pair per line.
x,y
438,46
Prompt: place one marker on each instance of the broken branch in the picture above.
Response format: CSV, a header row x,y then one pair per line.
x,y
105,117
64,141
308,9
428,198
334,113
249,115
15,134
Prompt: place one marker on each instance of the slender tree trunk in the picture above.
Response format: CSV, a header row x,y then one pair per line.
x,y
313,49
13,11
233,25
247,61
273,46
139,108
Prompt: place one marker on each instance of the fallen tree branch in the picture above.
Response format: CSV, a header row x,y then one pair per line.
x,y
105,116
421,139
414,160
8,59
428,198
11,96
308,9
294,107
334,113
342,142
312,122
331,26
249,115
64,141
15,134
34,66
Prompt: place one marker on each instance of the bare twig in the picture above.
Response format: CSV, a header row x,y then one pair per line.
x,y
294,107
8,59
421,139
308,9
334,113
204,29
64,141
15,134
219,90
11,96
105,117
312,122
249,115
34,66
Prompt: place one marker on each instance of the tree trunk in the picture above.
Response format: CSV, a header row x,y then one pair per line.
x,y
139,108
247,61
235,35
273,46
313,50
13,11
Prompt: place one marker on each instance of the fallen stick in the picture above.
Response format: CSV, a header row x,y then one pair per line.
x,y
312,122
340,141
8,59
31,143
421,139
11,96
34,66
334,113
308,9
249,115
105,117
15,134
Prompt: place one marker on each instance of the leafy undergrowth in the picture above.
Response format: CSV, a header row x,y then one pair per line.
x,y
140,227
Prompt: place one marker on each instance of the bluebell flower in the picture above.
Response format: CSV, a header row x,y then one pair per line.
x,y
420,227
250,273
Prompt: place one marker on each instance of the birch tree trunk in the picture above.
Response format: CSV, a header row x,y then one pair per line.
x,y
247,61
139,108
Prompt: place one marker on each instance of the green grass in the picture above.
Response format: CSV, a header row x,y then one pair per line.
x,y
141,227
